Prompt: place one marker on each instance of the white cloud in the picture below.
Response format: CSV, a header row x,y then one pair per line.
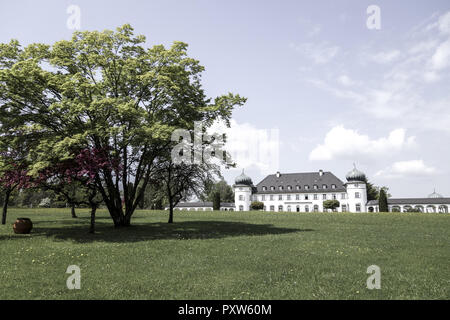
x,y
249,146
386,56
444,23
347,143
319,53
441,58
345,80
412,92
402,169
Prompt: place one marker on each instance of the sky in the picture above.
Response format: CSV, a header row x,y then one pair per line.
x,y
328,83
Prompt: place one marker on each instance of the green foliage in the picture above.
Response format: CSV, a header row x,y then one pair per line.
x,y
383,203
104,91
331,204
257,205
373,192
222,187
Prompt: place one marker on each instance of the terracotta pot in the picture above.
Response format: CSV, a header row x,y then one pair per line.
x,y
22,225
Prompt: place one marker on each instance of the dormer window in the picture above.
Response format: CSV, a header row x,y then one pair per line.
x,y
333,186
289,187
264,188
298,187
306,187
315,186
272,188
324,186
280,187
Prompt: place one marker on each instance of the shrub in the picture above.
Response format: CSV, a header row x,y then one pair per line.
x,y
257,205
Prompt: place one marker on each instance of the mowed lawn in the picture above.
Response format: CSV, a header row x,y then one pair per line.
x,y
233,255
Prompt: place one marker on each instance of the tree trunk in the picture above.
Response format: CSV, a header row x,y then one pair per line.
x,y
92,227
170,213
5,205
72,210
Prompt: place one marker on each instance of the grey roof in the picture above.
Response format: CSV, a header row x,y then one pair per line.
x,y
207,204
412,201
301,179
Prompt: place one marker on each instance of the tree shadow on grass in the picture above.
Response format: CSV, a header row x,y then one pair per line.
x,y
183,230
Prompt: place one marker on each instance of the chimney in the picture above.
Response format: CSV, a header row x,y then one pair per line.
x,y
278,174
320,172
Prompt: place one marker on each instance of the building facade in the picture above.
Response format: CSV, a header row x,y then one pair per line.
x,y
306,192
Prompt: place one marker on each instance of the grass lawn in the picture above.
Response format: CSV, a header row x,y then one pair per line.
x,y
235,255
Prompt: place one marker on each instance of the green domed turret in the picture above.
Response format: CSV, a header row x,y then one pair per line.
x,y
243,179
355,175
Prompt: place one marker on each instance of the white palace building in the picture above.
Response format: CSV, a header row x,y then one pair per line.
x,y
306,192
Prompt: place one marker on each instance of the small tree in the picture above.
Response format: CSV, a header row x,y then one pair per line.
x,y
331,204
383,201
257,205
216,201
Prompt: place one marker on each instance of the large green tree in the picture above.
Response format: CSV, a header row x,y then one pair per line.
x,y
105,92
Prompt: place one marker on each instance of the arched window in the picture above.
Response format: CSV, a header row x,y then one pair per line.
x,y
297,208
289,208
306,208
280,208
241,208
272,208
316,208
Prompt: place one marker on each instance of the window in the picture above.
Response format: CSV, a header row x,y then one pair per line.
x,y
272,188
343,196
316,208
357,195
241,208
263,198
288,197
265,208
272,208
316,186
324,186
306,208
333,196
280,187
358,208
264,188
298,187
344,208
306,187
289,187
297,197
306,197
280,197
271,197
333,186
289,208
280,208
241,198
297,208
324,197
316,197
